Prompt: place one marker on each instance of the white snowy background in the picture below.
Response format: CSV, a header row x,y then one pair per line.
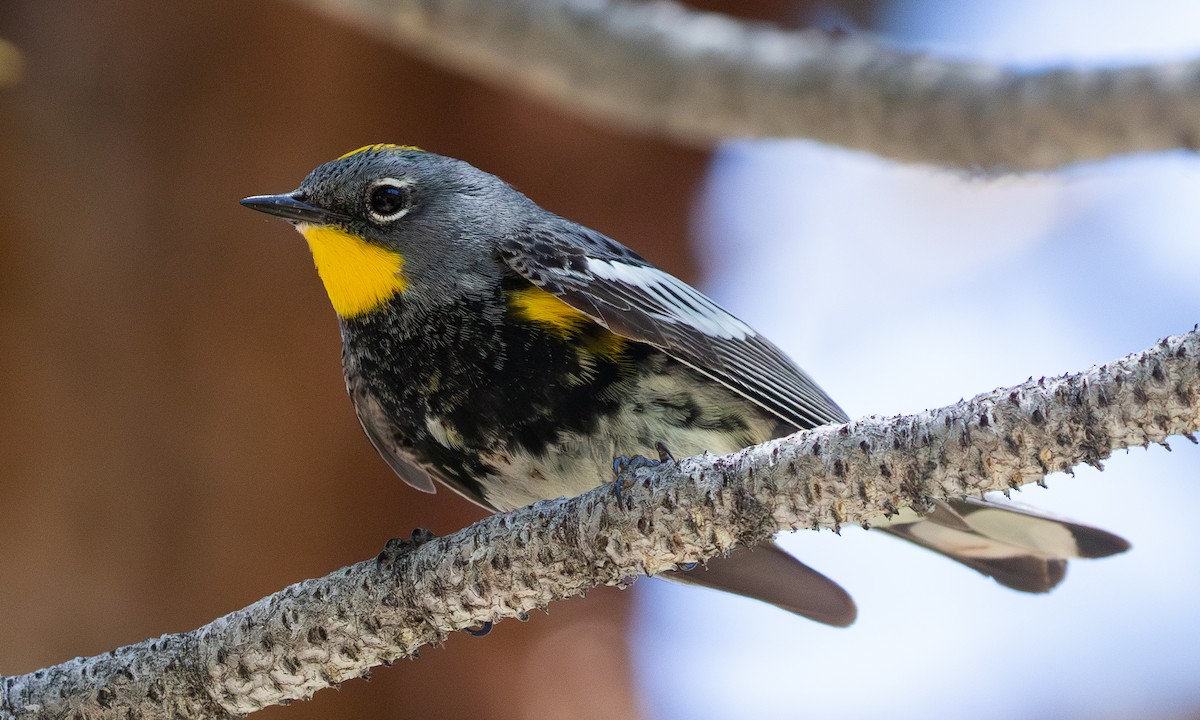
x,y
903,287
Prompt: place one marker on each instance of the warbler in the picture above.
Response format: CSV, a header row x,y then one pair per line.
x,y
511,354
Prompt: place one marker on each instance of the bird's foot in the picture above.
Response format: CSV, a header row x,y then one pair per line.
x,y
623,465
397,547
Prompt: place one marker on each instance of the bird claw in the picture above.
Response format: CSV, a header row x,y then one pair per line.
x,y
401,546
626,464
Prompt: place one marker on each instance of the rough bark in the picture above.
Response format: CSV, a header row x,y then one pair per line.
x,y
701,77
321,632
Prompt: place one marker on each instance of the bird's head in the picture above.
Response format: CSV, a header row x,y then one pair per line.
x,y
390,220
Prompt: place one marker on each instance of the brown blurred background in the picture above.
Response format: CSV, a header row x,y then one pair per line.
x,y
175,439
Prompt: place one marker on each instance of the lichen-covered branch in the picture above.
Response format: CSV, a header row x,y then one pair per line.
x,y
321,632
700,77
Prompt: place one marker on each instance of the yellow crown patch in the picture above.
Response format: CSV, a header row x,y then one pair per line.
x,y
379,146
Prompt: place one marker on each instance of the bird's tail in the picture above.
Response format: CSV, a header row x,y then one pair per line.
x,y
1020,548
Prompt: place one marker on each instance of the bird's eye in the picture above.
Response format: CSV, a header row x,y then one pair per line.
x,y
388,200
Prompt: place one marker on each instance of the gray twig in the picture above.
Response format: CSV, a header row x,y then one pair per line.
x,y
321,632
701,77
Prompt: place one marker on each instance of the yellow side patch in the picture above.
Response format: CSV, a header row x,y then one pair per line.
x,y
359,277
537,305
379,146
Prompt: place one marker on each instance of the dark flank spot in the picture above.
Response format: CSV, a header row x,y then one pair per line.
x,y
1157,373
682,410
884,470
678,409
1037,418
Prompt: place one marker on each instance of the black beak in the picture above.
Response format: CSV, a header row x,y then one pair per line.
x,y
289,208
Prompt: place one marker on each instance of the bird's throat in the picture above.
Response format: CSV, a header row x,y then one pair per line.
x,y
359,276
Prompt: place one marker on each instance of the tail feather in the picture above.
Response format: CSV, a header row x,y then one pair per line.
x,y
1020,548
769,574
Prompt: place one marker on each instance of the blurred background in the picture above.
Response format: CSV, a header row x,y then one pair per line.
x,y
175,439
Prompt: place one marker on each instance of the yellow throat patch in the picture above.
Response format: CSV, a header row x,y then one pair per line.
x,y
359,277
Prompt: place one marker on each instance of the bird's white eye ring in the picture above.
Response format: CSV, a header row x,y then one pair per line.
x,y
388,200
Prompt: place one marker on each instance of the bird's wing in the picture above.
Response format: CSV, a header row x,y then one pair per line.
x,y
769,574
609,283
615,287
382,432
1020,548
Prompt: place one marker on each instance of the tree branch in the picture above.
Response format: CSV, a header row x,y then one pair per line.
x,y
320,632
700,77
